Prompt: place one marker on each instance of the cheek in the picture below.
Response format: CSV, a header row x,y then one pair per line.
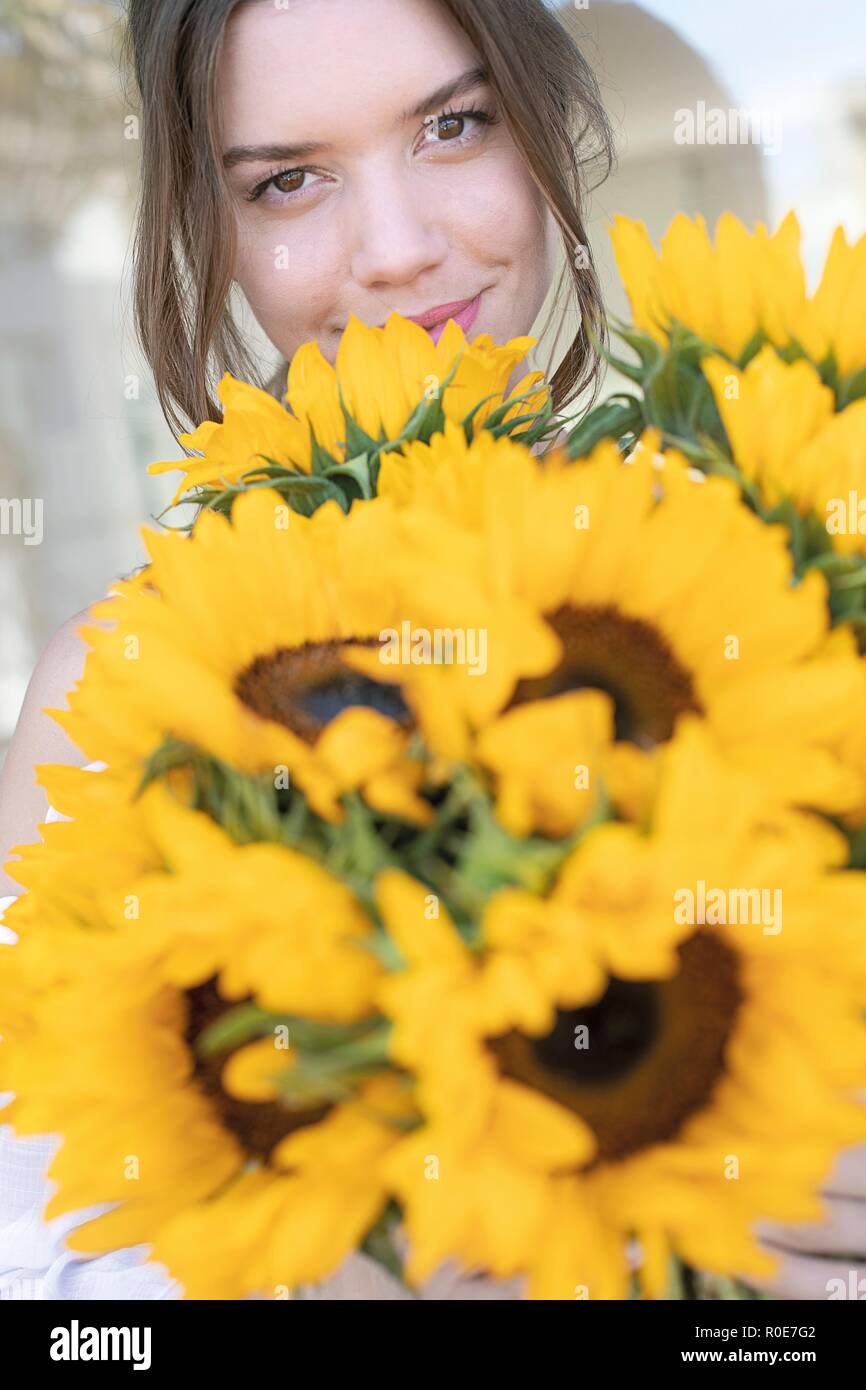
x,y
290,281
498,213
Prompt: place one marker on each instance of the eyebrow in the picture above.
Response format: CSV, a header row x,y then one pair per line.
x,y
257,154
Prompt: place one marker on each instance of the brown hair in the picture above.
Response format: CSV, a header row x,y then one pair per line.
x,y
184,236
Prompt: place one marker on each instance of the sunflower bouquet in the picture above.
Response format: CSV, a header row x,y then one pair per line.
x,y
475,870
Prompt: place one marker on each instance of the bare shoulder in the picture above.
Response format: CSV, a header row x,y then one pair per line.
x,y
39,739
59,666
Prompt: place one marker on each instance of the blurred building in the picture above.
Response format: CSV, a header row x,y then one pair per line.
x,y
647,72
75,431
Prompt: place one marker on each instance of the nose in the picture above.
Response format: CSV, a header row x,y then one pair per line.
x,y
396,235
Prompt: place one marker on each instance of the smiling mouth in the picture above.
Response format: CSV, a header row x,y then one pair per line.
x,y
463,311
431,318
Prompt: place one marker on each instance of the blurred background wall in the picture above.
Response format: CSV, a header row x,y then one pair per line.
x,y
78,416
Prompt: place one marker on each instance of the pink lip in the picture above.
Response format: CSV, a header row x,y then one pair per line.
x,y
443,312
463,311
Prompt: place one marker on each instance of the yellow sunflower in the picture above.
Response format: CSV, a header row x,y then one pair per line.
x,y
666,593
743,284
237,647
668,1047
286,928
244,1168
250,644
153,868
101,846
230,1186
726,291
786,437
832,319
547,757
383,373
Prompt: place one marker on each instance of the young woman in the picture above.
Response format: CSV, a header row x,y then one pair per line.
x,y
328,158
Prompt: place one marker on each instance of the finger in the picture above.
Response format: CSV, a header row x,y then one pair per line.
x,y
848,1178
357,1278
810,1277
842,1232
451,1282
448,1285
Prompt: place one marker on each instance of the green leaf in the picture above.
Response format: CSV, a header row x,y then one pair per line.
x,y
356,471
380,1244
171,753
427,419
545,423
271,468
321,460
357,440
491,858
386,951
682,1281
752,348
306,494
647,349
612,419
851,388
857,842
335,1072
497,416
508,428
232,1029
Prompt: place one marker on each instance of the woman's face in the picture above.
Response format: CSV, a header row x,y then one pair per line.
x,y
354,190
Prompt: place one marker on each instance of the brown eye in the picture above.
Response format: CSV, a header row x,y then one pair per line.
x,y
454,126
290,182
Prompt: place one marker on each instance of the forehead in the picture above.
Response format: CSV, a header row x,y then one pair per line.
x,y
333,71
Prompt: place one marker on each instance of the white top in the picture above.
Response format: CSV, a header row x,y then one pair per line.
x,y
35,1264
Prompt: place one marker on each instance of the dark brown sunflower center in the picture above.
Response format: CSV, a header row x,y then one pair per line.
x,y
627,658
257,1125
645,1058
306,687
